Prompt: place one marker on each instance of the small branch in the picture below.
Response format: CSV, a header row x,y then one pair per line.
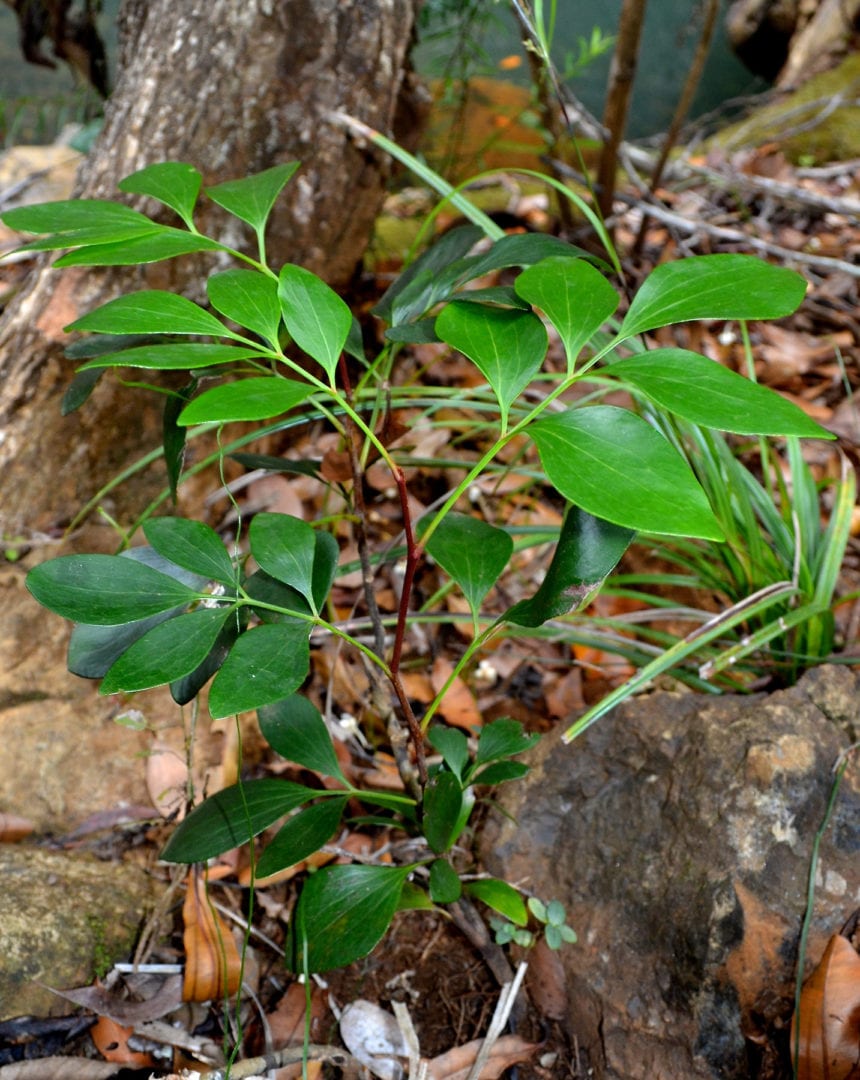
x,y
500,1017
279,1059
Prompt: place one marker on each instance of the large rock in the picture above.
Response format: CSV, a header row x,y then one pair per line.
x,y
678,832
63,919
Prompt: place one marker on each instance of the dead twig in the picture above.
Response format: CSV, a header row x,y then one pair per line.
x,y
292,1055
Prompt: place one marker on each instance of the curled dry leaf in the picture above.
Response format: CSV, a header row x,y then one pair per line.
x,y
829,1018
166,780
212,962
456,1064
373,1036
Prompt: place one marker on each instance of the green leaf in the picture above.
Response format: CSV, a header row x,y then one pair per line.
x,y
74,214
151,311
105,589
575,297
268,590
266,664
326,555
250,399
523,249
341,915
588,550
295,729
284,547
503,738
417,279
616,466
452,745
248,298
176,356
499,772
302,467
508,347
78,391
151,247
501,897
445,885
713,287
231,817
172,435
443,803
187,687
421,332
192,545
317,319
413,898
173,183
472,552
302,835
95,235
251,199
94,649
170,651
709,394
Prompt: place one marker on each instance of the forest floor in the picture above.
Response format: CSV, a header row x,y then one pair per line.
x,y
756,202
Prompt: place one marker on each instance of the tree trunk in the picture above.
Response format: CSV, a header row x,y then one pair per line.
x,y
231,88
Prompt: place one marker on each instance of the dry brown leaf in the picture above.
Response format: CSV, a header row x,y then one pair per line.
x,y
212,962
111,1041
458,707
102,1001
166,780
14,828
457,1063
829,1040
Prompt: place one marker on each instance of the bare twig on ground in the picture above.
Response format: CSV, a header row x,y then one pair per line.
x,y
505,1004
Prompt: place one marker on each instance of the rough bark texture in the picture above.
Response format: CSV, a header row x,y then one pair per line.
x,y
232,88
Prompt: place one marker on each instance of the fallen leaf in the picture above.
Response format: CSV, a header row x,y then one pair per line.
x,y
111,1041
373,1036
212,962
458,707
456,1064
100,1000
14,828
166,780
829,1017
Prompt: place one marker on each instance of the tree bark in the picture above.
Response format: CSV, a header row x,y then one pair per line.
x,y
232,88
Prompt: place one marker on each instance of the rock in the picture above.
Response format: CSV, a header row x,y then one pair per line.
x,y
63,919
678,833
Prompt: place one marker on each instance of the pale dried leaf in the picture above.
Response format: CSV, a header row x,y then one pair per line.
x,y
102,1001
458,707
373,1036
166,780
457,1063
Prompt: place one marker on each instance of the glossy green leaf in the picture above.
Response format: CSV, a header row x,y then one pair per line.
x,y
94,649
713,287
414,898
523,249
453,745
137,250
472,552
576,298
508,347
503,738
192,545
301,466
326,555
295,729
617,467
174,356
503,295
266,664
420,332
251,199
284,547
705,392
501,897
105,589
71,215
443,803
151,311
173,183
231,817
248,298
95,235
268,590
249,399
341,915
302,835
445,885
170,651
588,549
315,316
